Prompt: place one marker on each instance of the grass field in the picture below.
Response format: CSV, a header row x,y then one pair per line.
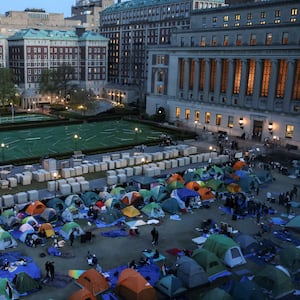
x,y
47,141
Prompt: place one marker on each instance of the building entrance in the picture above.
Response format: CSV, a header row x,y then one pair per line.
x,y
257,130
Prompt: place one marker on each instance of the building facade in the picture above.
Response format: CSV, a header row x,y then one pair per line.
x,y
31,51
237,69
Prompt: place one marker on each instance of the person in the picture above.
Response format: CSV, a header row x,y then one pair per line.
x,y
72,237
153,233
94,259
51,270
132,264
156,235
89,259
47,269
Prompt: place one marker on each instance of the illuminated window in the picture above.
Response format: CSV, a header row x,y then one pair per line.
x,y
267,67
251,74
214,19
197,115
226,40
268,38
263,15
225,18
207,117
277,13
177,112
281,78
237,76
214,40
202,43
230,122
239,40
285,38
213,70
237,17
202,75
253,39
160,89
294,11
296,86
187,114
218,119
224,78
289,131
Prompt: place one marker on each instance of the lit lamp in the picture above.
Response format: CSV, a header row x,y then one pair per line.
x,y
76,140
55,175
270,127
241,123
210,150
2,148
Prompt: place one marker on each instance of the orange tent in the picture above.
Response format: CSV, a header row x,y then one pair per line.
x,y
82,294
234,188
175,177
47,228
93,281
131,197
206,193
193,185
239,165
35,208
132,285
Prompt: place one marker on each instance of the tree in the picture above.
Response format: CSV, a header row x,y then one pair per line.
x,y
8,89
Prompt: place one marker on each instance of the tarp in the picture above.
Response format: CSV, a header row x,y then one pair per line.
x,y
93,281
276,281
294,223
171,286
226,249
189,272
132,285
35,208
24,283
143,182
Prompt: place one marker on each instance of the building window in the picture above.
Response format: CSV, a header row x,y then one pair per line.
x,y
177,112
277,13
268,38
237,76
213,70
226,40
202,43
249,16
289,131
225,18
285,38
187,114
214,20
230,122
160,89
267,67
296,86
294,11
202,74
239,40
214,40
253,39
263,15
237,17
251,75
224,78
197,115
207,117
281,78
218,119
192,74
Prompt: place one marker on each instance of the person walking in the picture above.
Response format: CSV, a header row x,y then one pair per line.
x,y
51,270
153,233
156,235
72,237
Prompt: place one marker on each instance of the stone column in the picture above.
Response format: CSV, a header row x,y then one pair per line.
x,y
229,89
288,91
272,84
196,80
219,73
244,81
206,80
186,78
257,82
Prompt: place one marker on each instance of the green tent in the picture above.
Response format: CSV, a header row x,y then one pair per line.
x,y
24,283
294,223
159,193
7,292
215,294
275,280
246,290
216,184
170,206
171,286
211,264
153,210
290,258
6,240
225,249
90,198
69,227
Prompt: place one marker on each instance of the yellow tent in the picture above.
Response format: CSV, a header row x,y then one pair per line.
x,y
130,211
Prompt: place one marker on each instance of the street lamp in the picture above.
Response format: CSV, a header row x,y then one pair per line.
x,y
2,147
136,130
76,137
55,175
210,150
12,111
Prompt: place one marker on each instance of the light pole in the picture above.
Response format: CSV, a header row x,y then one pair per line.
x,y
210,150
136,130
2,149
76,137
55,175
12,111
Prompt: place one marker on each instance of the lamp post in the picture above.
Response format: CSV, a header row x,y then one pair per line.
x,y
210,150
2,149
55,175
76,137
12,111
136,130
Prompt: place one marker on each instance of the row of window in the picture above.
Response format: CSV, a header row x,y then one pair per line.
x,y
289,129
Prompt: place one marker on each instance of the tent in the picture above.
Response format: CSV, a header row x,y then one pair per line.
x,y
175,185
131,198
82,294
276,280
215,294
170,286
73,199
159,193
294,223
153,210
170,206
175,177
57,204
49,215
189,272
47,229
30,220
110,215
225,249
130,211
132,285
185,196
246,289
247,243
7,291
93,281
143,182
6,240
211,264
13,222
238,165
290,258
35,208
24,283
90,198
216,184
67,228
206,194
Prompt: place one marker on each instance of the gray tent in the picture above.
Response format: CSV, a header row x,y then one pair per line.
x,y
248,244
170,205
189,272
171,286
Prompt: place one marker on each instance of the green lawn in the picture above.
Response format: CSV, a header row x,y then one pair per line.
x,y
47,141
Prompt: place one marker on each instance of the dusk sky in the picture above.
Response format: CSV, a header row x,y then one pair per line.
x,y
55,6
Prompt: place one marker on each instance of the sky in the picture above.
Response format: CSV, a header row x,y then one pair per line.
x,y
50,6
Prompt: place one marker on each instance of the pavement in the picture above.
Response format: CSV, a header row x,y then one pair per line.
x,y
114,252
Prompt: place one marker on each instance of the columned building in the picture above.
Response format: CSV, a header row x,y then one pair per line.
x,y
237,69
